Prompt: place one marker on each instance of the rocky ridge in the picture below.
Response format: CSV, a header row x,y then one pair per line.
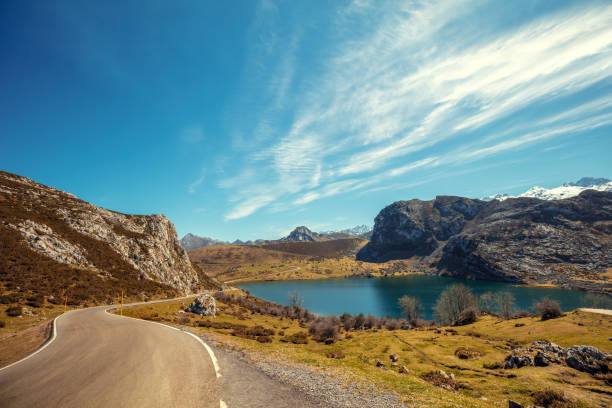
x,y
70,231
523,240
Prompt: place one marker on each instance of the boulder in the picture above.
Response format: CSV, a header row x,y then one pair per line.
x,y
588,359
203,305
518,360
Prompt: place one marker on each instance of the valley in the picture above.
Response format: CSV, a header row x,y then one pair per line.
x,y
324,306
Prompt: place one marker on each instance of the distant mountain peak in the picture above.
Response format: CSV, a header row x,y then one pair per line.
x,y
191,241
566,190
301,233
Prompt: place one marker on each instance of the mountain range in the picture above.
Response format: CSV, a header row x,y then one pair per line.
x,y
298,234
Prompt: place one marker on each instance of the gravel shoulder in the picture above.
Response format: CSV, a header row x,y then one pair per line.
x,y
252,380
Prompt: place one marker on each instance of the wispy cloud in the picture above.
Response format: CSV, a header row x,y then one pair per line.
x,y
424,73
192,188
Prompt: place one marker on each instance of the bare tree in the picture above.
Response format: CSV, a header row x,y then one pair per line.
x,y
486,302
295,299
411,308
452,301
505,304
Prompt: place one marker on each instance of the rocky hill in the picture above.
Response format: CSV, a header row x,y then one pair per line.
x,y
300,234
527,240
53,242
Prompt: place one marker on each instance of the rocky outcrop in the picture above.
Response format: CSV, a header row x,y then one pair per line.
x,y
71,231
525,240
589,359
543,353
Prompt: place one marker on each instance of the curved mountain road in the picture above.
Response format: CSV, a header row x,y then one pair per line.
x,y
98,359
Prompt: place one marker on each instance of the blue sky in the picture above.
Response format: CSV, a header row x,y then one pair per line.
x,y
243,119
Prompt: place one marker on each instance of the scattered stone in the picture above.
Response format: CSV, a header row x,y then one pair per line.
x,y
514,404
519,325
403,370
380,364
203,305
394,358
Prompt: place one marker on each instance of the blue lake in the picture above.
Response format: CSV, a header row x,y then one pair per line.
x,y
378,296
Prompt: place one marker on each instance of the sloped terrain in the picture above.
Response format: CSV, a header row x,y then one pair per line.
x,y
52,243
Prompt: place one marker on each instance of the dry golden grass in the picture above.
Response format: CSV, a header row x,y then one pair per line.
x,y
422,351
22,335
234,263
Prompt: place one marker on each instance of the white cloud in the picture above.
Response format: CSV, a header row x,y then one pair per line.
x,y
425,73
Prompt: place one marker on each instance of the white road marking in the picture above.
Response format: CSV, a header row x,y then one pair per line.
x,y
40,349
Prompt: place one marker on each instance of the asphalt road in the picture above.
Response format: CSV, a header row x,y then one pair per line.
x,y
99,359
103,360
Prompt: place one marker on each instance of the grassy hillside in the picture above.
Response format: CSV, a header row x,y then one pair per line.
x,y
289,260
355,355
325,249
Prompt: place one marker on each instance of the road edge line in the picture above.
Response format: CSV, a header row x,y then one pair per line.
x,y
41,348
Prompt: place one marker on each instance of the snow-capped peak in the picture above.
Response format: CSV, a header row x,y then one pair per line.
x,y
557,193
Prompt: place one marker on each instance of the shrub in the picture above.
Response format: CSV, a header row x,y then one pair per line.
x,y
325,329
34,303
296,338
467,316
8,299
552,399
348,321
452,301
393,324
411,308
370,322
548,309
359,321
259,333
264,339
14,311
